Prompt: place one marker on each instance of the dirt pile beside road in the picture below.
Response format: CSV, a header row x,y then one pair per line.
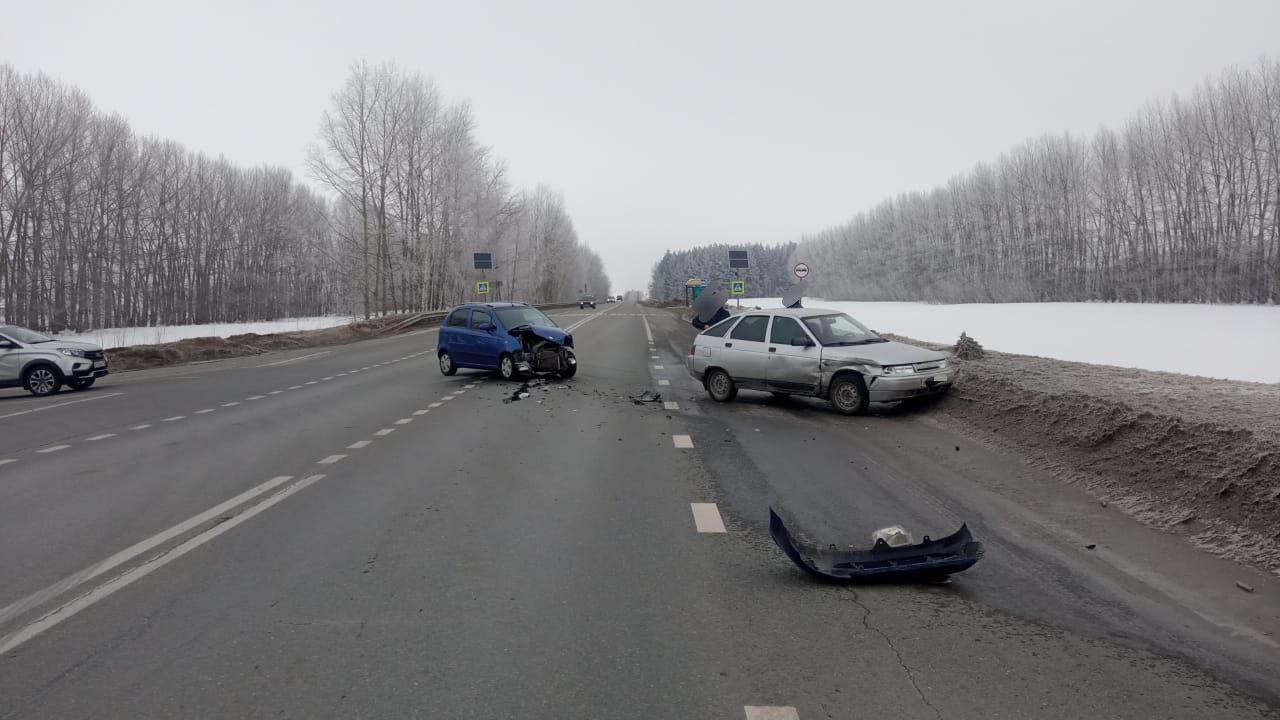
x,y
1191,455
139,357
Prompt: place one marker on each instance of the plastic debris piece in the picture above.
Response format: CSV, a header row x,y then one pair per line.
x,y
894,536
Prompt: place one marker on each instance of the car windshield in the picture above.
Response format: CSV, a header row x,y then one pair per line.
x,y
840,329
23,335
518,315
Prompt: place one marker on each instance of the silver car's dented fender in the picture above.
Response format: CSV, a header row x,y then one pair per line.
x,y
927,378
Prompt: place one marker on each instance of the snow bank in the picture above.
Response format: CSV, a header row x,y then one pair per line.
x,y
1235,342
124,337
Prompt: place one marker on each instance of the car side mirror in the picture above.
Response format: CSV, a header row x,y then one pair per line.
x,y
485,327
801,342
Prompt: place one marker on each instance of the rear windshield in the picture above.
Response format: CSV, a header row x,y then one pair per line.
x,y
523,315
719,329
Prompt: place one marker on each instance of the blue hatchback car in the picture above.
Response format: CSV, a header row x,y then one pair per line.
x,y
512,338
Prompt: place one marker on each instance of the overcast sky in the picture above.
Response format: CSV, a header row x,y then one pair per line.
x,y
665,125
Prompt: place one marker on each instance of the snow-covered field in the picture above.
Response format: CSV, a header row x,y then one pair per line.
x,y
1237,342
123,337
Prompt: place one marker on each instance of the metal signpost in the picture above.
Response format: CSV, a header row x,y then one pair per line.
x,y
738,261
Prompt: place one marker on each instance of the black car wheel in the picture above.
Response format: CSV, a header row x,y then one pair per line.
x,y
507,367
81,384
720,386
446,363
849,395
42,380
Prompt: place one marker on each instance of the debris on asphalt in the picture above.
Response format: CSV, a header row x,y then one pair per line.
x,y
1090,546
1244,586
929,560
967,348
894,536
646,397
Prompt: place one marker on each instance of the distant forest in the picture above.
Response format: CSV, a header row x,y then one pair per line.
x,y
100,227
768,275
1181,204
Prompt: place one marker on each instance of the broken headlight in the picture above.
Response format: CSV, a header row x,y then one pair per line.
x,y
898,369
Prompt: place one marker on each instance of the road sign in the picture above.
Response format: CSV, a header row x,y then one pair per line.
x,y
482,287
801,270
737,287
483,261
738,259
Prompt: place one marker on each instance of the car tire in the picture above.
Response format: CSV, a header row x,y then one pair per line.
x,y
570,372
81,384
507,367
721,387
848,395
42,380
447,366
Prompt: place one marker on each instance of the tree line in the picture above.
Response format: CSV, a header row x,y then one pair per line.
x,y
100,227
769,274
417,195
1181,204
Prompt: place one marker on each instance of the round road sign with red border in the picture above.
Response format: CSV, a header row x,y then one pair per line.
x,y
801,270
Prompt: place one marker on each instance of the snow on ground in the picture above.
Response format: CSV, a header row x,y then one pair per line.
x,y
1236,342
123,337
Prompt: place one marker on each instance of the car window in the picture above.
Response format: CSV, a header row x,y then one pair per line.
x,y
785,330
751,328
719,329
457,318
480,316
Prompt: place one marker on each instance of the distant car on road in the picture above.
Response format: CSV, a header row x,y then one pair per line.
x,y
609,299
43,365
813,352
586,300
511,338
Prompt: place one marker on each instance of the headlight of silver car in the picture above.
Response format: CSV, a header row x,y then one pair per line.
x,y
73,352
898,369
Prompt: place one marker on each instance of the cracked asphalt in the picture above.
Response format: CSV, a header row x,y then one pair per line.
x,y
384,542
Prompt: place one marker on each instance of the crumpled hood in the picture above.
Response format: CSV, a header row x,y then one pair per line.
x,y
554,334
885,353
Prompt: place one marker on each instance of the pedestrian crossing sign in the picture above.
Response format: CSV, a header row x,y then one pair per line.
x,y
738,287
482,287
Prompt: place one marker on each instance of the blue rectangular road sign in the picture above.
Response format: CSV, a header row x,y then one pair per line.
x,y
483,261
738,259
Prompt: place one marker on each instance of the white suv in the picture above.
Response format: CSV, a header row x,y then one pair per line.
x,y
43,365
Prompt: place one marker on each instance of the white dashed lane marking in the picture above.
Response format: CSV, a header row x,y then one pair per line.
x,y
175,418
659,367
404,421
53,448
771,712
706,517
310,382
385,432
255,397
205,411
421,412
231,404
664,383
103,436
670,405
447,398
359,444
275,392
684,442
139,427
6,461
295,387
331,460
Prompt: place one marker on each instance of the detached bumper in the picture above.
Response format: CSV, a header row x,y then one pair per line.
x,y
890,389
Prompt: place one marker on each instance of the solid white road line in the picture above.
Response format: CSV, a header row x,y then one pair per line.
x,y
421,412
435,404
205,411
385,432
294,360
139,427
330,460
357,445
670,405
175,418
706,517
684,442
231,404
108,588
768,712
133,551
403,421
103,436
58,405
664,383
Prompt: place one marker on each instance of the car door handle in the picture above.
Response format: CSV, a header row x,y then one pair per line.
x,y
728,344
773,349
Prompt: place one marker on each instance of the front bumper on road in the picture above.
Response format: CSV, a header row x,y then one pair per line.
x,y
882,388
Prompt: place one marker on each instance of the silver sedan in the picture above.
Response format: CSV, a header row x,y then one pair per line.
x,y
814,352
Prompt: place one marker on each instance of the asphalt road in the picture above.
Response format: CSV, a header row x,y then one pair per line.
x,y
344,532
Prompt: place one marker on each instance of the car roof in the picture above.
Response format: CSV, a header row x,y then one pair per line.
x,y
795,312
493,305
